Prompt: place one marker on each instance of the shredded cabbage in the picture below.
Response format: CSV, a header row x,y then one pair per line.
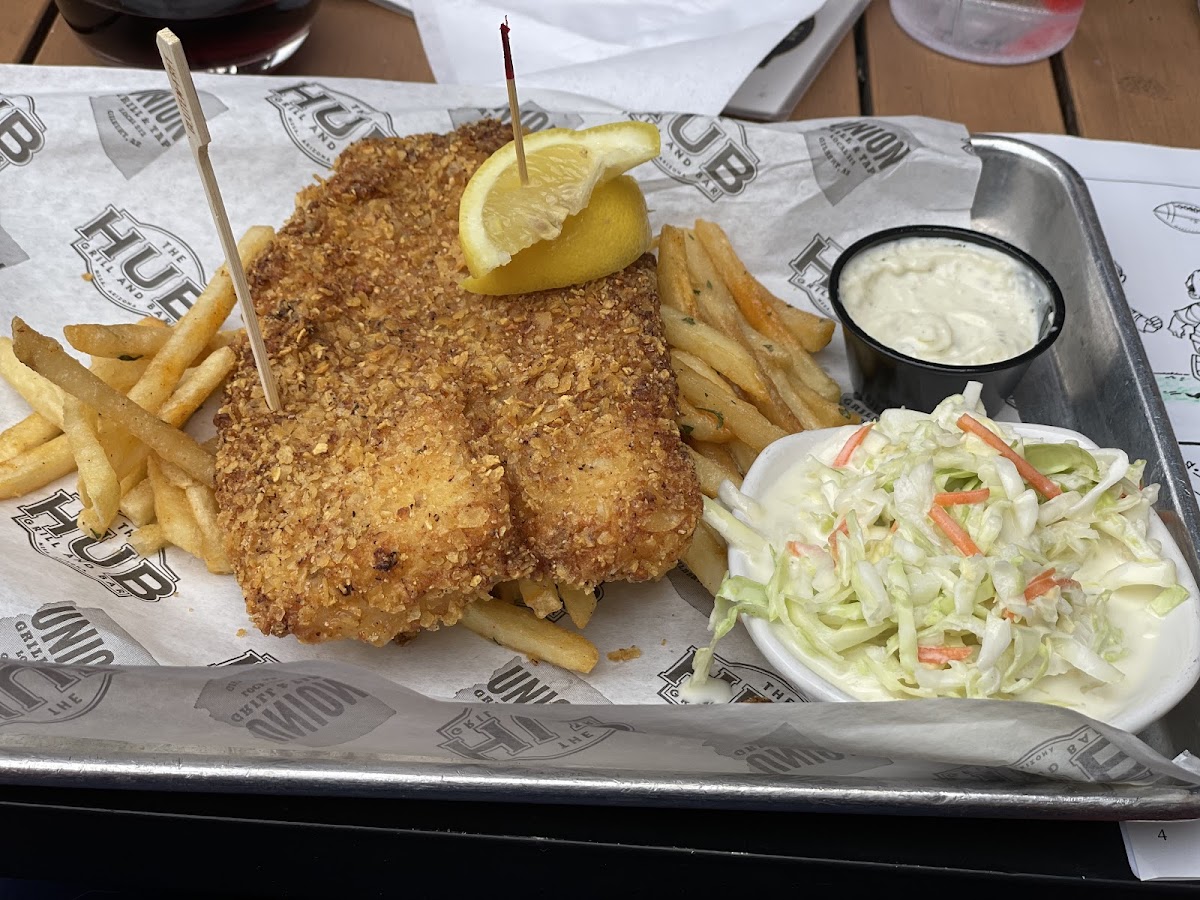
x,y
863,577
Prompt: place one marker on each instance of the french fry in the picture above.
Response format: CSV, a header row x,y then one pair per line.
x,y
197,385
720,455
148,539
30,432
814,376
674,286
35,429
704,370
825,413
36,468
724,354
44,397
126,342
132,342
46,356
204,510
519,629
195,388
98,484
579,602
174,513
706,558
119,375
187,341
758,305
719,310
197,327
743,454
137,503
709,473
746,421
812,331
702,424
542,598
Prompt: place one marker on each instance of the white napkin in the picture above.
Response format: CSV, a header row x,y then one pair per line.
x,y
669,55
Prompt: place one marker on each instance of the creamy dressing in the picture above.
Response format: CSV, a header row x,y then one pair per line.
x,y
712,691
1127,609
945,301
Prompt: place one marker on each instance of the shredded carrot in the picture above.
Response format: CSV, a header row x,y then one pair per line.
x,y
798,548
895,526
955,532
841,528
956,498
1039,584
851,445
1032,476
940,655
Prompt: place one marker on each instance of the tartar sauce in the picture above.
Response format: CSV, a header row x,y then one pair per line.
x,y
945,301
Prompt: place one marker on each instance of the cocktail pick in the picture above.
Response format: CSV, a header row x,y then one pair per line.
x,y
171,50
514,108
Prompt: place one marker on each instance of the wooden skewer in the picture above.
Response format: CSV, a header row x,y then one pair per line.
x,y
514,108
171,50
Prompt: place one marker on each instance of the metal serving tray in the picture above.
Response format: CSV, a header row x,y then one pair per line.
x,y
1026,196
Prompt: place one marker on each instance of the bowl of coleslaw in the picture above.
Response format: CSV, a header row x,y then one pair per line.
x,y
945,554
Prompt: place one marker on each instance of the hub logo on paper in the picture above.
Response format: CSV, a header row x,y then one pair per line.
x,y
287,708
476,733
63,633
533,117
322,122
1084,755
34,694
846,154
517,681
141,268
712,155
137,128
22,133
249,658
785,751
811,268
110,560
10,251
746,682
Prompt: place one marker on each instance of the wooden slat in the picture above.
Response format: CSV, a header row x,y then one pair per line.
x,y
63,48
352,38
357,39
1133,71
908,79
834,92
19,20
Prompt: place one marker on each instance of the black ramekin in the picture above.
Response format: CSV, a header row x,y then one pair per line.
x,y
885,378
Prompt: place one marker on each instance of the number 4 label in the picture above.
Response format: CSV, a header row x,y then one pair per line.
x,y
1163,851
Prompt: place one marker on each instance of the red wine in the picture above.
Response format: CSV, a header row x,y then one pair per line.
x,y
245,35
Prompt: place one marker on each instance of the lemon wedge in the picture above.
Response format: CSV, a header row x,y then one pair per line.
x,y
604,237
499,217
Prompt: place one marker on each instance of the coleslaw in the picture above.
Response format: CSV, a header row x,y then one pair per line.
x,y
940,555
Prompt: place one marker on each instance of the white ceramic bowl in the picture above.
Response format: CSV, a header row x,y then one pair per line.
x,y
1171,674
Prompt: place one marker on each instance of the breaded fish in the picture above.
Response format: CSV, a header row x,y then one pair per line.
x,y
434,442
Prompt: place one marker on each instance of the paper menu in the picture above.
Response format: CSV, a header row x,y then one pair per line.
x,y
1148,200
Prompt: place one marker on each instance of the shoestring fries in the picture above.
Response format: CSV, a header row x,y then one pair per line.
x,y
743,361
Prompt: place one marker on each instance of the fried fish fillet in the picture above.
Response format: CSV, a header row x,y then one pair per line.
x,y
434,442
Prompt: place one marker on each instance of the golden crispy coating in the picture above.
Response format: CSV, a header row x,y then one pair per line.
x,y
434,442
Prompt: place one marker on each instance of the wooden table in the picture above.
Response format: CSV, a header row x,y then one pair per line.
x,y
1129,74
